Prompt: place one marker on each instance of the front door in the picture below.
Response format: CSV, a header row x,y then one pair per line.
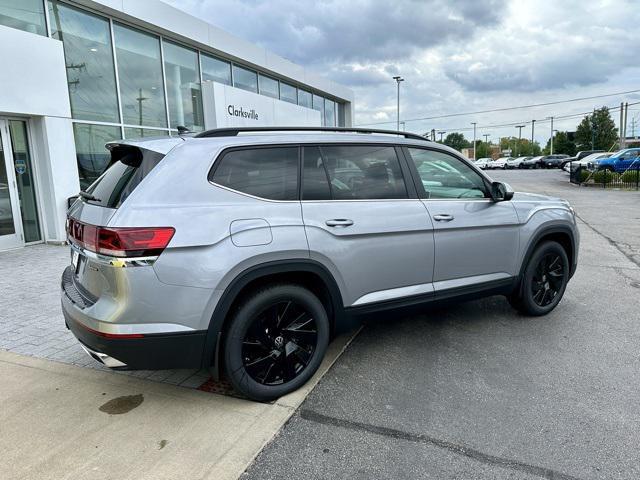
x,y
476,239
365,223
19,221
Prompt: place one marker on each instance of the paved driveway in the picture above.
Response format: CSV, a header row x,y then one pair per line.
x,y
478,391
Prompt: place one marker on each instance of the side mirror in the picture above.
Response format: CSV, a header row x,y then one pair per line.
x,y
501,192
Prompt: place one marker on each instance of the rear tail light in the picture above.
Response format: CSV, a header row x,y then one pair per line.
x,y
120,241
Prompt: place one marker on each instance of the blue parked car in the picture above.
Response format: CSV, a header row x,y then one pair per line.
x,y
628,159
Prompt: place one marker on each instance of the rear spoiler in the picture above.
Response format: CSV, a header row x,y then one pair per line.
x,y
161,145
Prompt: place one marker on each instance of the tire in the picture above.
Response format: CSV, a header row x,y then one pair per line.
x,y
275,341
544,280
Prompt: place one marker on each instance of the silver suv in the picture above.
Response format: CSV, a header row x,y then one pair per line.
x,y
245,250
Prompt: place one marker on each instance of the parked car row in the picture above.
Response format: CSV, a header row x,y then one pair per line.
x,y
620,161
541,161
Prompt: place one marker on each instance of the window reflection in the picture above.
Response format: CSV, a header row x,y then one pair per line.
x,y
245,79
27,15
89,61
93,158
140,74
318,104
183,86
304,98
288,93
268,86
329,113
215,70
144,132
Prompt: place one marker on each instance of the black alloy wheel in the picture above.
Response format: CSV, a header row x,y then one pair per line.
x,y
544,280
279,343
275,342
548,279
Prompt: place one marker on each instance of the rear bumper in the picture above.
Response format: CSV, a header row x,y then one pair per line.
x,y
148,352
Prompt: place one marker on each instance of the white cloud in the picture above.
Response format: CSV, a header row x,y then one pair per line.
x,y
456,55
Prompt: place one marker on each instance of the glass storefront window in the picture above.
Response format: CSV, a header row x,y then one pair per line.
x,y
92,156
245,79
183,87
268,86
329,113
130,132
304,98
341,117
27,15
140,75
89,61
215,70
288,93
318,104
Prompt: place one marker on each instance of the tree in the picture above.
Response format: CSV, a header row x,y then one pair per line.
x,y
456,141
520,148
483,149
561,144
596,131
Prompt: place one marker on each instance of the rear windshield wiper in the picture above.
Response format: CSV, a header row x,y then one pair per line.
x,y
88,196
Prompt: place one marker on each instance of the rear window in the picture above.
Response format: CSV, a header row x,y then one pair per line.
x,y
270,173
129,166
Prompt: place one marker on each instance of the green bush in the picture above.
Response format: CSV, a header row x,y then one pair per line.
x,y
630,176
584,174
604,176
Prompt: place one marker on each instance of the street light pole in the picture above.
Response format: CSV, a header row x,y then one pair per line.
x,y
551,135
398,79
441,133
519,127
474,139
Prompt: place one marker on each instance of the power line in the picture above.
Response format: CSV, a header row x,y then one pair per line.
x,y
542,120
504,109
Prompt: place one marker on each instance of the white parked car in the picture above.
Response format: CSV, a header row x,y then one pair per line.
x,y
482,163
586,161
500,162
516,162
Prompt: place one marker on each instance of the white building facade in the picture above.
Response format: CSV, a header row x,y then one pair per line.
x,y
77,74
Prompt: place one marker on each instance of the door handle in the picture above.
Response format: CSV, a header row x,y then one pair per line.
x,y
339,222
443,217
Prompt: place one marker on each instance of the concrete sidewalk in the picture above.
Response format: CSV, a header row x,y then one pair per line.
x,y
66,422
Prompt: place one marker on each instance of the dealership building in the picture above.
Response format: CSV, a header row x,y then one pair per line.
x,y
77,74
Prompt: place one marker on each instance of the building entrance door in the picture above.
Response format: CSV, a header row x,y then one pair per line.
x,y
19,220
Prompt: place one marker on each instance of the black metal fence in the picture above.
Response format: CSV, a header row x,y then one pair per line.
x,y
628,180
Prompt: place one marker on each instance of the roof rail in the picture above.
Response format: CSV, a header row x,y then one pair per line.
x,y
234,131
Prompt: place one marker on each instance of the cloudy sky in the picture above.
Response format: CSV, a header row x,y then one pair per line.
x,y
456,55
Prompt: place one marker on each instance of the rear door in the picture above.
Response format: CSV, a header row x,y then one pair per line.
x,y
476,239
365,223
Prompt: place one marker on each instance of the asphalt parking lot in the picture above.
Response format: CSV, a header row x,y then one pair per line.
x,y
478,391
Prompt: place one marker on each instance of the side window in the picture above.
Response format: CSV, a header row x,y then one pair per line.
x,y
270,173
362,172
444,176
315,183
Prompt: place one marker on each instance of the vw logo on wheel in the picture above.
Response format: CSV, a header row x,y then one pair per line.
x,y
279,341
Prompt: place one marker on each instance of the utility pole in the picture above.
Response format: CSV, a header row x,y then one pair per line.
x,y
441,133
593,129
398,79
622,125
519,127
626,114
533,126
486,136
474,139
551,135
